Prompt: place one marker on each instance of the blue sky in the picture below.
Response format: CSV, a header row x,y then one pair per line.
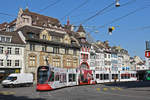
x,y
129,31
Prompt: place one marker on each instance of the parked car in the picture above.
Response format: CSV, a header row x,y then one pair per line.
x,y
18,79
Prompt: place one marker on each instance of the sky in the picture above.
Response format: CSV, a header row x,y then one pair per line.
x,y
131,19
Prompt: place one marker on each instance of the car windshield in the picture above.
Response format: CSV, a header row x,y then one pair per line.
x,y
11,78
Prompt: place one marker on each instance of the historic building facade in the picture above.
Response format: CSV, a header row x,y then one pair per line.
x,y
85,48
46,41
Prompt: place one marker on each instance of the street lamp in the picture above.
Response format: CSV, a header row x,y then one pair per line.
x,y
117,3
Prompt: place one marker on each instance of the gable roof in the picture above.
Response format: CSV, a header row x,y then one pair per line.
x,y
40,20
81,29
15,37
3,25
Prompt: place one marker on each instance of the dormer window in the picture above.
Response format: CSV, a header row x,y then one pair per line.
x,y
44,37
8,39
5,38
31,35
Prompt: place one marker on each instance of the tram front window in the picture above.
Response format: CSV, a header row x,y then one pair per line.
x,y
42,75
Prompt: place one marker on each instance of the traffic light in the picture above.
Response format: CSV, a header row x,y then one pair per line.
x,y
110,29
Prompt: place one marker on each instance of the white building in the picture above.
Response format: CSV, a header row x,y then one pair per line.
x,y
11,54
96,57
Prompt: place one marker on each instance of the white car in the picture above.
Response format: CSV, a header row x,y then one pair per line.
x,y
18,79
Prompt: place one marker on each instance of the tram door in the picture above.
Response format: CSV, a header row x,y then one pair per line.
x,y
85,76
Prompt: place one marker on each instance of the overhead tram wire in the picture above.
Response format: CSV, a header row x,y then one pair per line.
x,y
122,5
130,13
7,15
50,5
78,7
100,12
97,13
140,28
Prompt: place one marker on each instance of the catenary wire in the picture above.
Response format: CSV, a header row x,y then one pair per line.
x,y
76,8
50,5
126,15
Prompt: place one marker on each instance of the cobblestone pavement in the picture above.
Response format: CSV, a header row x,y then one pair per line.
x,y
87,92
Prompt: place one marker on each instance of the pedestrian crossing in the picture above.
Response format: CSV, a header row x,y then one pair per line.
x,y
109,89
7,93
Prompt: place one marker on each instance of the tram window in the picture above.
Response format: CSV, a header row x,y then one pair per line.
x,y
51,79
82,77
64,77
74,77
97,75
106,76
101,76
56,77
116,76
148,75
122,76
70,77
113,76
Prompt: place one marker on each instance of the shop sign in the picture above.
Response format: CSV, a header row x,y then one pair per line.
x,y
17,71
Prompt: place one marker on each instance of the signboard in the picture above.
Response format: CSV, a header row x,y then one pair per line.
x,y
147,54
147,45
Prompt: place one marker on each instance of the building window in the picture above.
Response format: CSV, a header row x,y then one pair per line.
x,y
56,62
44,48
1,50
66,51
8,39
1,62
16,62
16,50
105,55
32,47
108,56
9,50
74,52
8,62
3,39
32,60
44,37
56,50
68,62
75,63
31,35
56,38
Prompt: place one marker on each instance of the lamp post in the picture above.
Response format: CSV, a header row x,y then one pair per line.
x,y
117,3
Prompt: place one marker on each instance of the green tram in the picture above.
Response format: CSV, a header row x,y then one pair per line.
x,y
143,75
147,75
